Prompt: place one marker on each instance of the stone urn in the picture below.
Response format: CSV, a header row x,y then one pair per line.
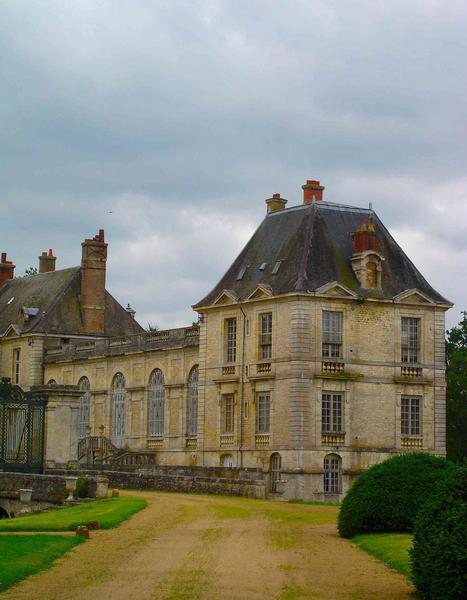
x,y
70,484
25,499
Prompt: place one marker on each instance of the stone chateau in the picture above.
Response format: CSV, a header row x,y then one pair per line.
x,y
319,353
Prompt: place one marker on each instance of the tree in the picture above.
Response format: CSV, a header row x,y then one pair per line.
x,y
456,390
152,327
30,271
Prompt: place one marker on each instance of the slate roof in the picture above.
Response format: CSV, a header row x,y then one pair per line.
x,y
57,296
313,242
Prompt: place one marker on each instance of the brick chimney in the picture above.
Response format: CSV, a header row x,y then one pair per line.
x,y
93,261
47,262
275,203
7,269
312,190
365,237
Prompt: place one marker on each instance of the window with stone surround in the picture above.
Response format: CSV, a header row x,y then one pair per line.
x,y
410,416
118,402
332,474
331,413
192,417
16,365
231,340
265,336
84,406
332,334
263,412
156,404
227,413
410,340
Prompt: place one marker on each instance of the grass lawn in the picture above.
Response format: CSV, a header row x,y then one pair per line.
x,y
24,555
391,548
109,513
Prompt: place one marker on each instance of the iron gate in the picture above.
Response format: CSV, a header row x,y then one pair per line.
x,y
22,417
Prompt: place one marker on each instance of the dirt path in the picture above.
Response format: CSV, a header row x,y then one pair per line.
x,y
216,548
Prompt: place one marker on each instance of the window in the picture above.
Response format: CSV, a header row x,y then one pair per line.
x,y
156,402
410,342
276,463
16,365
332,334
263,409
371,274
193,401
332,474
118,400
265,336
231,340
227,414
410,416
84,407
331,413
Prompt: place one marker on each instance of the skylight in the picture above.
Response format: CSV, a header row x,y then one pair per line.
x,y
263,266
10,300
241,273
276,267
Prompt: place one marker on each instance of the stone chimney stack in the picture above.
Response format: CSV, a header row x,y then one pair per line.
x,y
275,203
93,263
47,262
7,269
312,190
365,237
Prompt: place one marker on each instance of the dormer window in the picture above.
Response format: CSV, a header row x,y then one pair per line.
x,y
367,261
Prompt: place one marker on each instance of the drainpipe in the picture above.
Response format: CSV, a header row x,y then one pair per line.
x,y
242,370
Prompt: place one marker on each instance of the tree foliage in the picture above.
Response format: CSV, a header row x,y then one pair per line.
x,y
456,390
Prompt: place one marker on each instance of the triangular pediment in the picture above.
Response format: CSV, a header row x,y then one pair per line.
x,y
226,297
12,331
413,296
336,290
261,291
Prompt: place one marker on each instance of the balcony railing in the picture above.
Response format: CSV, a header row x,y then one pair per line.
x,y
333,439
411,443
227,440
155,443
263,367
262,440
331,367
191,441
411,372
229,370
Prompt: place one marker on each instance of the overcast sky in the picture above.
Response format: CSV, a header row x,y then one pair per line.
x,y
168,123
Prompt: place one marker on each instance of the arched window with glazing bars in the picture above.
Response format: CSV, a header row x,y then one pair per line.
x,y
118,397
332,474
156,404
192,419
84,406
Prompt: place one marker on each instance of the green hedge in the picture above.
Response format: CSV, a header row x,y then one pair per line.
x,y
387,496
439,554
82,487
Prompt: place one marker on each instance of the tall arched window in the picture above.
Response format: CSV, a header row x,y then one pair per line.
x,y
276,464
84,406
332,474
192,428
118,408
156,401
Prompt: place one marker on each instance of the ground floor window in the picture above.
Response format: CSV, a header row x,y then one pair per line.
x,y
410,416
332,474
276,463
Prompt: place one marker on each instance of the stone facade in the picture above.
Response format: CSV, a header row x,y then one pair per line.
x,y
309,368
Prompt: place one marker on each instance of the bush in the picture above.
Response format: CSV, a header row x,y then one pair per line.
x,y
82,487
387,496
439,554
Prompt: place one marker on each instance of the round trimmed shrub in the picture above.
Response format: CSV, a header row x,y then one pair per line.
x,y
82,487
439,553
387,496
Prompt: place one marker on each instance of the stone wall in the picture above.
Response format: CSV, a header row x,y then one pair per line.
x,y
45,488
249,483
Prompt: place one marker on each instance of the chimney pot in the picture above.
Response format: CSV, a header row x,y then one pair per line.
x,y
275,203
312,190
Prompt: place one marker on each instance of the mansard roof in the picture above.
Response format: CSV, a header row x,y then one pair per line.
x,y
313,245
50,303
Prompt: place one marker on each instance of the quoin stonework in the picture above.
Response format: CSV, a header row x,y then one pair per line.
x,y
319,353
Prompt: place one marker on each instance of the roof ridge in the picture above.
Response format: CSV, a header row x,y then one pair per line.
x,y
299,284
